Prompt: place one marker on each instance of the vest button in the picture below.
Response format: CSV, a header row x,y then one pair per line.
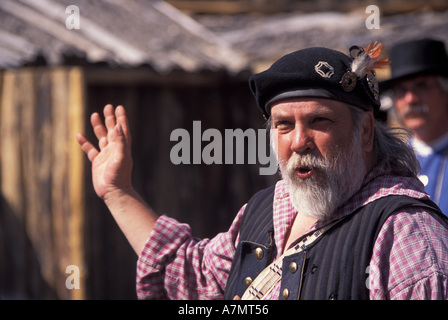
x,y
259,253
285,294
247,281
293,267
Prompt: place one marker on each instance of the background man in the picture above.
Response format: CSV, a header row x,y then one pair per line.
x,y
420,92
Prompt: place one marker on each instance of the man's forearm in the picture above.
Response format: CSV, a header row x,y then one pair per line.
x,y
134,217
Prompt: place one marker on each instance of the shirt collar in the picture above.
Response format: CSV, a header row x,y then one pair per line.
x,y
426,148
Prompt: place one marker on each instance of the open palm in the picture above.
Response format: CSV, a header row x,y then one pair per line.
x,y
112,163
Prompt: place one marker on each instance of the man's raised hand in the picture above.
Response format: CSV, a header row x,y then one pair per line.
x,y
112,162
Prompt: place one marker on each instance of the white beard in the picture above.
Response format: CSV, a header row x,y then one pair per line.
x,y
334,181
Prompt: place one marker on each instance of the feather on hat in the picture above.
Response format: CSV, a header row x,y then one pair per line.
x,y
365,59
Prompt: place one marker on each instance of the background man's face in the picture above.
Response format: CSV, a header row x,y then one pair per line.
x,y
421,105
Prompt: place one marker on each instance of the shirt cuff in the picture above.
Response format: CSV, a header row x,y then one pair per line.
x,y
165,238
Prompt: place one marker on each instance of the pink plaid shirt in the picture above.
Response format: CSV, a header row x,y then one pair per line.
x,y
409,261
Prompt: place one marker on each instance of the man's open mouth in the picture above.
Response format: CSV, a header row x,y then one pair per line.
x,y
304,172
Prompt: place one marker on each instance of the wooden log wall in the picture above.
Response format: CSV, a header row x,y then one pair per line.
x,y
41,171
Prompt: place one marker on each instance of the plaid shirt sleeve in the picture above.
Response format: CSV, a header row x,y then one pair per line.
x,y
410,258
175,265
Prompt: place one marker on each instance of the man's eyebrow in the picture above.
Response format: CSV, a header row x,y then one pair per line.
x,y
322,112
279,116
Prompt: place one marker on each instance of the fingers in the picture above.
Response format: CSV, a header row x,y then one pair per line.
x,y
122,120
87,147
109,117
104,132
115,126
99,130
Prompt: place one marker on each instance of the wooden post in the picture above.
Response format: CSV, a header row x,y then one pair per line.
x,y
9,122
67,175
76,176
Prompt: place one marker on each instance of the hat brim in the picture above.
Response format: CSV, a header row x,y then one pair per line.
x,y
315,93
412,71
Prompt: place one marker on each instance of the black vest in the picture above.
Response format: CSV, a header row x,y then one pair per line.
x,y
333,267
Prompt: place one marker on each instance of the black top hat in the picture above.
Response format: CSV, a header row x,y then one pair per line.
x,y
417,57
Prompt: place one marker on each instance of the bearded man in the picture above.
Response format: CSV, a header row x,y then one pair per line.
x,y
349,219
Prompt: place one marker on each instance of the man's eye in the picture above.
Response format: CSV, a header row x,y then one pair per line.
x,y
399,92
423,86
281,124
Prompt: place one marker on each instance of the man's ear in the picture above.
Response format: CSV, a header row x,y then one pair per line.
x,y
367,132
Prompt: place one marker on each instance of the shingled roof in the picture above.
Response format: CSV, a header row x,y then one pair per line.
x,y
265,38
119,33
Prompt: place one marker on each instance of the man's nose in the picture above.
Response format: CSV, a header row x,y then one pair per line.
x,y
302,140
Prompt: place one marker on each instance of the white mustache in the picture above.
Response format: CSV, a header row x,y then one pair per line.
x,y
416,108
309,161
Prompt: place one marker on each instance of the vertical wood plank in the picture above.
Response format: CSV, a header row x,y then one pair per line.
x,y
76,176
42,170
37,222
59,186
10,165
11,177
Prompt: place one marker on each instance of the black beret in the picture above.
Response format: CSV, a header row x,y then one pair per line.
x,y
315,72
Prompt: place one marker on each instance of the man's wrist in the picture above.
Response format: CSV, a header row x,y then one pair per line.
x,y
118,195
